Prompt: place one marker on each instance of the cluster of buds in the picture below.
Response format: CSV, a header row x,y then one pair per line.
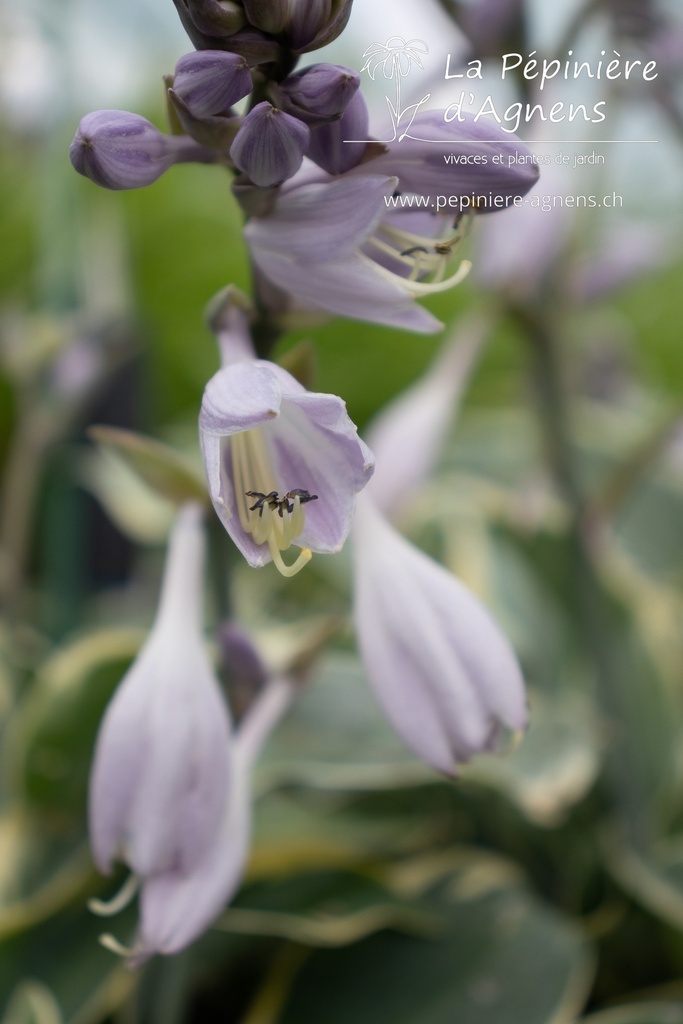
x,y
242,51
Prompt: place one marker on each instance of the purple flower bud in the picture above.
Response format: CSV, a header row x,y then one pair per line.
x,y
329,147
270,145
215,17
314,23
119,150
268,15
210,81
320,93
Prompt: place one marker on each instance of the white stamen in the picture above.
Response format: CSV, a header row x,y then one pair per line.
x,y
252,472
422,256
107,908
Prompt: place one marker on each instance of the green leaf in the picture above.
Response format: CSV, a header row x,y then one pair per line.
x,y
503,958
166,472
50,738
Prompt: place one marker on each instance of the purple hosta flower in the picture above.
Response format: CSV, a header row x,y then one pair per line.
x,y
119,150
333,246
314,23
331,146
428,163
269,147
283,464
160,780
444,674
176,908
210,81
320,93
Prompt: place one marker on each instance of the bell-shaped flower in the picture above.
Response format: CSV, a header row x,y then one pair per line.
x,y
269,147
318,94
283,464
333,246
118,150
160,778
175,908
444,674
210,81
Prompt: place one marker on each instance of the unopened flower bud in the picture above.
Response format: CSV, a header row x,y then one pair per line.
x,y
314,23
119,150
331,147
320,93
268,15
210,81
270,145
216,17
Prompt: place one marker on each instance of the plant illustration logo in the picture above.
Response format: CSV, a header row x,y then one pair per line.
x,y
395,60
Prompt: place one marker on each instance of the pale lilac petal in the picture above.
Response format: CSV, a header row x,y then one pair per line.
x,y
310,443
322,221
443,672
341,145
176,907
351,287
160,772
211,81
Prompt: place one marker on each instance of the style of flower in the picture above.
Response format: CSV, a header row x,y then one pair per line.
x,y
160,780
283,464
443,672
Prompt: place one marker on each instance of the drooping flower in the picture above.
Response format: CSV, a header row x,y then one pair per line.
x,y
118,150
283,464
443,672
160,778
176,908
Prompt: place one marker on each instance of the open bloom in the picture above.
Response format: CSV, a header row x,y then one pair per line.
x,y
443,672
354,246
333,246
160,780
283,464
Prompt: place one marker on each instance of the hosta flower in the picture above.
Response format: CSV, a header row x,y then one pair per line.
x,y
333,246
160,778
319,93
176,909
210,81
283,464
352,246
444,674
119,150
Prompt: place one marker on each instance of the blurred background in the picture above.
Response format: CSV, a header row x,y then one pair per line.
x,y
545,887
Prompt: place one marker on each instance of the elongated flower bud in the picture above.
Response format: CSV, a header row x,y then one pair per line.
x,y
210,81
320,93
270,145
314,23
119,150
